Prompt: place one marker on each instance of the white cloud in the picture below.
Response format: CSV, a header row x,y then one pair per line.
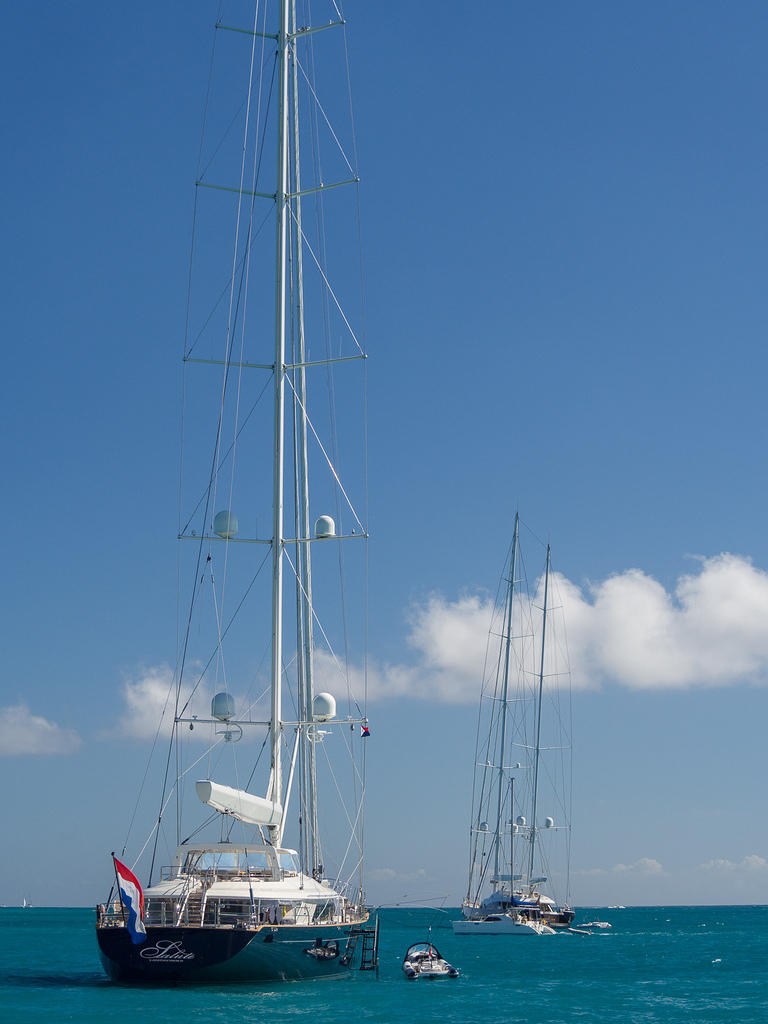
x,y
709,631
151,699
21,732
382,874
449,640
642,866
752,862
627,630
390,875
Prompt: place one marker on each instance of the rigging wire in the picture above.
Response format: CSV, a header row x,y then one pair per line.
x,y
327,459
233,617
232,314
325,635
225,456
173,746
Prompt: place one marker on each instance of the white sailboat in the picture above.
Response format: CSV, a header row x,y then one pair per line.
x,y
508,853
249,893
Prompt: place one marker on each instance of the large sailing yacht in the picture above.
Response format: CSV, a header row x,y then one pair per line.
x,y
265,881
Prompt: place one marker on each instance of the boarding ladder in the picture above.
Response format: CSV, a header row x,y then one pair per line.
x,y
369,948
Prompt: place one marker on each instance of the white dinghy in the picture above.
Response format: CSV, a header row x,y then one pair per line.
x,y
423,960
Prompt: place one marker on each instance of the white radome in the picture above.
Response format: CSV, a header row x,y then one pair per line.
x,y
223,706
324,707
325,527
225,525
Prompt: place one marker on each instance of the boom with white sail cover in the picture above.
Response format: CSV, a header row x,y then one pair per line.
x,y
250,809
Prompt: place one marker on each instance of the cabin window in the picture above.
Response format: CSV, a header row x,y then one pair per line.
x,y
227,863
287,862
257,861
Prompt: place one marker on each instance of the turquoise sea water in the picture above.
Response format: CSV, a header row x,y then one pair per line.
x,y
668,964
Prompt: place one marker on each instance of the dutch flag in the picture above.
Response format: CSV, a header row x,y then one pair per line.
x,y
133,901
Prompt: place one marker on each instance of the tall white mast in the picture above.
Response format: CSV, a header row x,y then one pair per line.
x,y
303,557
281,199
504,698
538,725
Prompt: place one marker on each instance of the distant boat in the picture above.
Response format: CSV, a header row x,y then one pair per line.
x,y
507,854
25,905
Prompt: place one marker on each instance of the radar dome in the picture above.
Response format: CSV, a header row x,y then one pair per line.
x,y
520,820
325,527
324,707
549,822
223,706
225,524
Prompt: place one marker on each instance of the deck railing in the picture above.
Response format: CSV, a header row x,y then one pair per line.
x,y
192,910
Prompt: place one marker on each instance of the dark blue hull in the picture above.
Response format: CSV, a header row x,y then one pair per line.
x,y
224,955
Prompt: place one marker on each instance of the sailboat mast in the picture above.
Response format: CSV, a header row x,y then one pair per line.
x,y
281,199
303,557
504,697
538,724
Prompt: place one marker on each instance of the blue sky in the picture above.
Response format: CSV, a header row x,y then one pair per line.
x,y
564,216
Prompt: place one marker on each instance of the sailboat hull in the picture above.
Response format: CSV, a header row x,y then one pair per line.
x,y
501,925
218,955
